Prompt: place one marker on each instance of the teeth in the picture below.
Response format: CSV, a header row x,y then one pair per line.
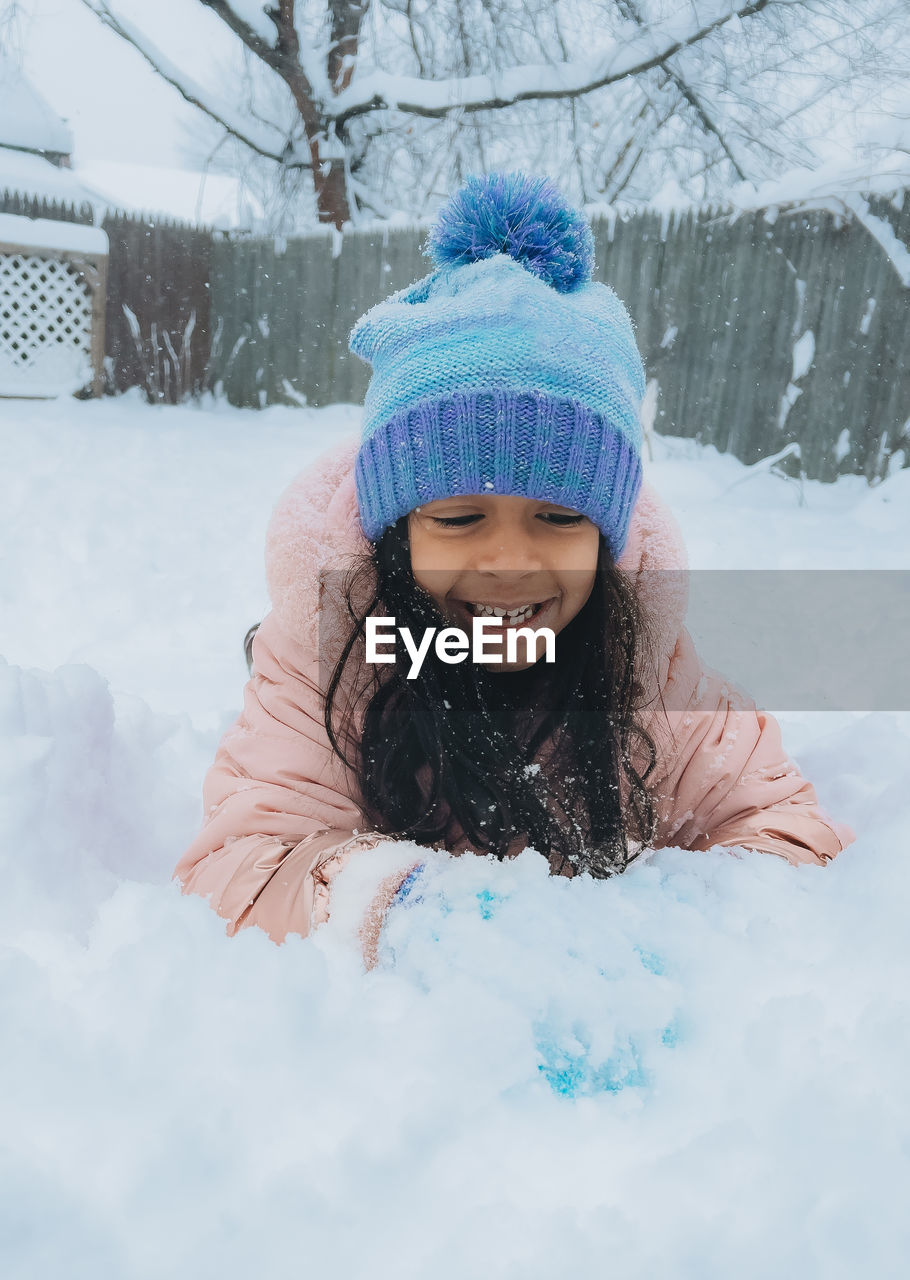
x,y
510,616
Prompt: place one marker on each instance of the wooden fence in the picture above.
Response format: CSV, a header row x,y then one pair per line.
x,y
25,205
757,331
158,313
760,331
285,312
763,332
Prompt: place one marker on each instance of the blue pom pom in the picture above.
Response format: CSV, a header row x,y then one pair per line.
x,y
525,217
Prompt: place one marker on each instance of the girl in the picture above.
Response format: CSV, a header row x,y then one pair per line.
x,y
498,478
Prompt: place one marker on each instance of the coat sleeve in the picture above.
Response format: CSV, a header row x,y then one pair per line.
x,y
723,777
281,814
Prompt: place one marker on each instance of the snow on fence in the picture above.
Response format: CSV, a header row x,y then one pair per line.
x,y
760,330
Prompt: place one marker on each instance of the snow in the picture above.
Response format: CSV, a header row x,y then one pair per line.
x,y
265,137
35,176
253,14
883,233
26,119
208,198
617,58
789,398
836,188
803,355
827,186
698,1069
185,194
866,321
44,233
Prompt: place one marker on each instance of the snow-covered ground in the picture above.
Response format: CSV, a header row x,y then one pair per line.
x,y
698,1070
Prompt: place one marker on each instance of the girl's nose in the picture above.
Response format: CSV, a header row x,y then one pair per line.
x,y
508,551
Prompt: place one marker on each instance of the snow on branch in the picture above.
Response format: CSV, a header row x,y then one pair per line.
x,y
285,55
694,99
266,140
842,190
883,233
643,50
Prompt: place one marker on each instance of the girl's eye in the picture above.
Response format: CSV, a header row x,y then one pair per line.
x,y
561,518
456,522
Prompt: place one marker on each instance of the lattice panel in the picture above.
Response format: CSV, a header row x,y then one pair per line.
x,y
45,326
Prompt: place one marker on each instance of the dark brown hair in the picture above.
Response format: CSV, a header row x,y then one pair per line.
x,y
555,755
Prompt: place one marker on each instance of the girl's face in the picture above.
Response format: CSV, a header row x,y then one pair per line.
x,y
479,553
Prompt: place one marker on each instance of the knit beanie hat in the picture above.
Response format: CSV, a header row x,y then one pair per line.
x,y
507,370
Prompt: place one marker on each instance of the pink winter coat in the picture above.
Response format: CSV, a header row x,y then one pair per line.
x,y
281,817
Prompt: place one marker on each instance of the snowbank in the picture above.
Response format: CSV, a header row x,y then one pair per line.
x,y
698,1069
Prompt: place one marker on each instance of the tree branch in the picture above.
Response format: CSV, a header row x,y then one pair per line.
x,y
644,51
270,54
283,57
347,18
271,149
630,9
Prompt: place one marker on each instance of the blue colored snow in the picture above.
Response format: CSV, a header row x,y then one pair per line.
x,y
488,902
651,961
670,1034
572,1074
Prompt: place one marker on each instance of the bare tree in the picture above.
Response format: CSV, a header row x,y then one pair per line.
x,y
404,95
10,31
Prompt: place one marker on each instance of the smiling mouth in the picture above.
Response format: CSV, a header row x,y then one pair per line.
x,y
517,616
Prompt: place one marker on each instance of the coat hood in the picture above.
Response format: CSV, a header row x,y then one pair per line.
x,y
281,808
